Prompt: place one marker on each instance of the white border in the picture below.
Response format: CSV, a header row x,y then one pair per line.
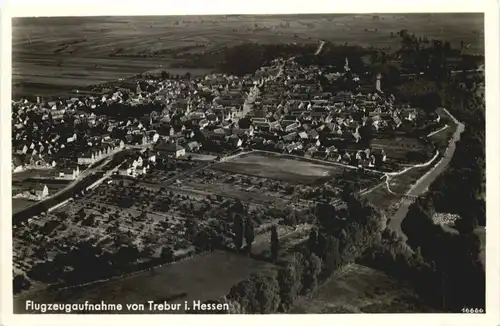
x,y
25,8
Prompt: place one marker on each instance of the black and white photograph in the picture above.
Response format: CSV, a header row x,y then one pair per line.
x,y
326,163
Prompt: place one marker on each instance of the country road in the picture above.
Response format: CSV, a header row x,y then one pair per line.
x,y
423,183
320,47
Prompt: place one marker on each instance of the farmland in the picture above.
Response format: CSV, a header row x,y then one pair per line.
x,y
90,50
204,277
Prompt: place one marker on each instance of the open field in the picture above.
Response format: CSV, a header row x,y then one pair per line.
x,y
359,289
20,176
18,204
45,75
58,55
204,277
276,166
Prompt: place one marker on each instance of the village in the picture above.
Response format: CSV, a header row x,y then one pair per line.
x,y
281,108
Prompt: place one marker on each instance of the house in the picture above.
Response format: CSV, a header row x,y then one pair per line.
x,y
235,141
87,158
331,149
193,146
357,135
17,164
313,134
292,126
410,114
170,149
126,171
69,174
275,125
310,152
41,191
303,135
290,137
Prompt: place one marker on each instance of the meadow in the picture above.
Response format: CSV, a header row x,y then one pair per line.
x,y
279,167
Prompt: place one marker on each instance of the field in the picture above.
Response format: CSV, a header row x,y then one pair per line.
x,y
28,174
359,289
279,167
204,277
59,55
18,204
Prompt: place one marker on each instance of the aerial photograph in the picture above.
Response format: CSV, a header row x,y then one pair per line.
x,y
249,164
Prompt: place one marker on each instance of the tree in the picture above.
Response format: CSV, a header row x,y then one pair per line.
x,y
244,293
20,282
289,284
311,273
267,294
348,192
275,244
329,251
312,241
249,234
147,252
204,240
167,253
191,228
238,230
326,214
466,225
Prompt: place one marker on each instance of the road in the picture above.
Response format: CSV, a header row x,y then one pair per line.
x,y
423,183
247,106
320,47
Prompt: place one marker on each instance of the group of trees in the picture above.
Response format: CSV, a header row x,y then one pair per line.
x,y
276,291
454,270
336,241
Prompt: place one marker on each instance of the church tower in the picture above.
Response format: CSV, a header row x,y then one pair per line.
x,y
378,83
346,66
